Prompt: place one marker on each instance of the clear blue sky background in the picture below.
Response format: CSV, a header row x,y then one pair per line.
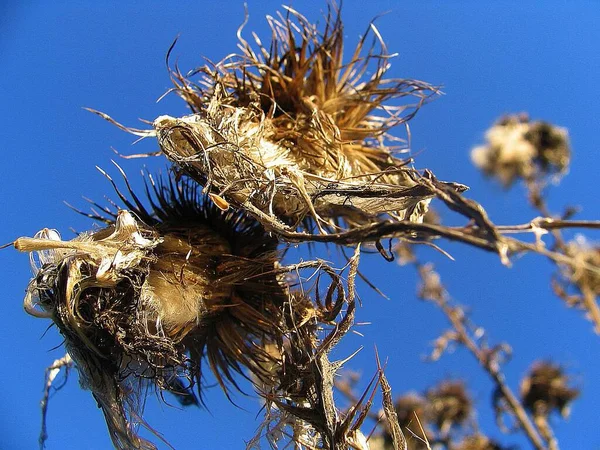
x,y
491,58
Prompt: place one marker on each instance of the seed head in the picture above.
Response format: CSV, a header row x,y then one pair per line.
x,y
546,388
451,404
293,132
520,148
150,297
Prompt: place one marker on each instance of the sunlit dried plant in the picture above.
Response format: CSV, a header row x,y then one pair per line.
x,y
520,148
292,132
291,143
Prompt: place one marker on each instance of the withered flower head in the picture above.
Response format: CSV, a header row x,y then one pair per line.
x,y
546,388
478,442
520,148
292,132
151,296
450,404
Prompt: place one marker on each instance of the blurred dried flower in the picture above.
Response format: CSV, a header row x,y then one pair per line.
x,y
146,300
478,442
451,404
546,388
520,148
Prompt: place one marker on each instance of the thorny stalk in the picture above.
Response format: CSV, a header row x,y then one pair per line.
x,y
432,290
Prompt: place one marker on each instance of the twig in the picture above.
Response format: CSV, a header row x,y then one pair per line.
x,y
433,290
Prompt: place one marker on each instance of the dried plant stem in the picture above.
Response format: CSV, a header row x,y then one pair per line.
x,y
51,373
487,359
541,420
537,200
589,300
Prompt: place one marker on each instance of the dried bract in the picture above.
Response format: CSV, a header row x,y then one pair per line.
x,y
147,299
520,148
582,271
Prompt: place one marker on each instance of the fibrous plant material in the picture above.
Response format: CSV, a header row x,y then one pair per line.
x,y
518,147
147,299
160,292
295,135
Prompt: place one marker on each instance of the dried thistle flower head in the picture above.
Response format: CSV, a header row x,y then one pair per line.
x,y
450,403
546,388
478,442
292,132
520,148
146,299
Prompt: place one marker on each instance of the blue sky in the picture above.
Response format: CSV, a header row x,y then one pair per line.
x,y
491,58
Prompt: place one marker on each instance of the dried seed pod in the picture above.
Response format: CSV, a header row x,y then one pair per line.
x,y
146,299
546,388
292,132
520,148
451,404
